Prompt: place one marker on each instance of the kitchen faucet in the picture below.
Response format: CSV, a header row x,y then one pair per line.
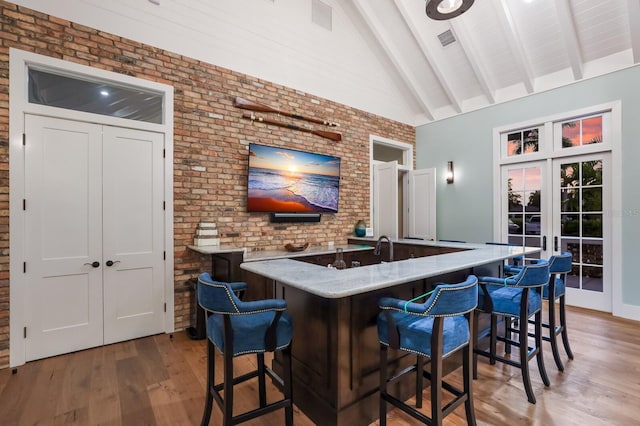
x,y
379,245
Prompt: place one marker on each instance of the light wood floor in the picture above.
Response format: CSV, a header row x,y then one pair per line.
x,y
161,381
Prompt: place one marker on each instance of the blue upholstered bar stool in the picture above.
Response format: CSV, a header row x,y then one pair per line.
x,y
514,297
559,267
237,328
434,330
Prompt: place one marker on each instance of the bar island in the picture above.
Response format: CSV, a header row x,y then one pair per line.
x,y
335,345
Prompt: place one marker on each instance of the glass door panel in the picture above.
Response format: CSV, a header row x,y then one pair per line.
x,y
580,194
523,190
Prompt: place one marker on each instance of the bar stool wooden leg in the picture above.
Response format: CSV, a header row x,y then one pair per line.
x,y
523,336
553,331
288,385
419,380
227,410
539,354
563,324
467,369
211,373
383,384
262,393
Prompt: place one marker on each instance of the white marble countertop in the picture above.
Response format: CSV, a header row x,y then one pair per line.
x,y
332,283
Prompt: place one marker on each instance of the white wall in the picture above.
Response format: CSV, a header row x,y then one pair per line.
x,y
465,209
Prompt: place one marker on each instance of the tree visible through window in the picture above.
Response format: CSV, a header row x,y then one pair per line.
x,y
523,142
584,131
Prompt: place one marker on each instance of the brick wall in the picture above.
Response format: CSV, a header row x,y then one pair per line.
x,y
210,143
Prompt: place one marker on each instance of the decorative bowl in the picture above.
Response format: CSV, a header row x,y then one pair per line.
x,y
296,247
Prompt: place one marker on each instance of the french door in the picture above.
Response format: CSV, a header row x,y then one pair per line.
x,y
581,194
559,205
94,235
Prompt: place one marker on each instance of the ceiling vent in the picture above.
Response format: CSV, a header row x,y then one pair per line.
x,y
446,38
321,14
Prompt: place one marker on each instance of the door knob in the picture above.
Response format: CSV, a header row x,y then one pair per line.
x,y
95,264
111,262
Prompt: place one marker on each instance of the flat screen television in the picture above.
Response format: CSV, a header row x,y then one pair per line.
x,y
282,180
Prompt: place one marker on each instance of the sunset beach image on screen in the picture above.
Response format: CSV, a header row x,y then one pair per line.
x,y
282,180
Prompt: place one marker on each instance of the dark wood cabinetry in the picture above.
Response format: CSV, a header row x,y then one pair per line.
x,y
335,349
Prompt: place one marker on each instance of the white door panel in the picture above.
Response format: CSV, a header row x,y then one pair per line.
x,y
385,209
133,234
422,204
63,235
582,195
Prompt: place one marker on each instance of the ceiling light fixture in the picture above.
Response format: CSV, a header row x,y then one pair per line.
x,y
441,10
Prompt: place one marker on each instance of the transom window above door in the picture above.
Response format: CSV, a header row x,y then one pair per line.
x,y
523,142
583,131
94,96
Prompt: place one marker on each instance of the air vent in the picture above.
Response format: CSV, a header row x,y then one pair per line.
x,y
446,38
321,14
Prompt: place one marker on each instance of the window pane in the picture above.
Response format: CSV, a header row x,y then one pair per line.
x,y
515,224
532,178
533,201
570,201
571,134
592,278
572,246
582,132
592,225
532,224
592,130
533,242
592,199
515,201
592,173
95,97
530,141
570,225
514,144
569,175
592,252
514,240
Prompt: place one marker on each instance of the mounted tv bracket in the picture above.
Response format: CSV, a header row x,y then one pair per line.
x,y
294,217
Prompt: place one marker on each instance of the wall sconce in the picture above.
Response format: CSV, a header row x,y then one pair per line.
x,y
450,172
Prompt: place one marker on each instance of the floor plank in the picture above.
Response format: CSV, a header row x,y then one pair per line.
x,y
160,380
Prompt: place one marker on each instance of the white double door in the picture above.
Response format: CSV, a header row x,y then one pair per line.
x,y
94,220
404,202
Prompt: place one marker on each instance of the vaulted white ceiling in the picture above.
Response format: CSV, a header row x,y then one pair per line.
x,y
385,56
503,49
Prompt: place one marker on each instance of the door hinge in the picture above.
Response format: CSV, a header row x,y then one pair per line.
x,y
164,153
24,139
24,204
165,307
164,205
24,332
24,267
164,255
